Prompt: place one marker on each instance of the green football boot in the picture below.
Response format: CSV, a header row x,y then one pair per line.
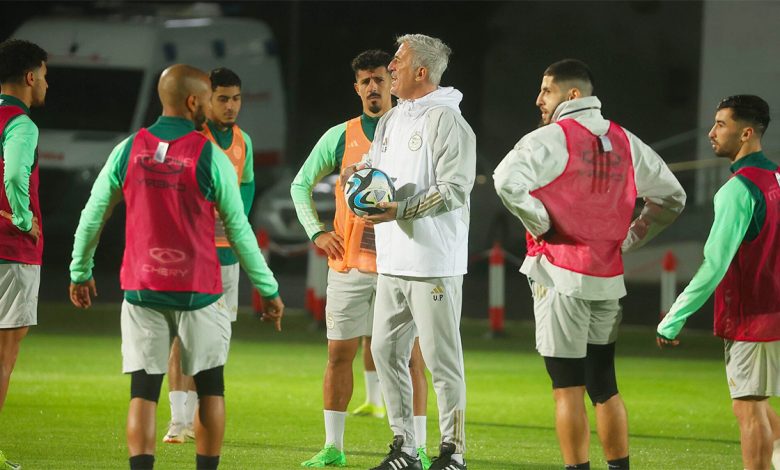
x,y
369,409
329,456
424,459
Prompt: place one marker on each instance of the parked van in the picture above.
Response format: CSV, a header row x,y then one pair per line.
x,y
102,74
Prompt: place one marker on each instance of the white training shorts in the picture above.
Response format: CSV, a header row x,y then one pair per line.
x,y
19,285
753,368
566,325
349,308
204,336
230,276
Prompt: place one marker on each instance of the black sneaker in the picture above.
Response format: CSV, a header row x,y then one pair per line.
x,y
397,459
444,460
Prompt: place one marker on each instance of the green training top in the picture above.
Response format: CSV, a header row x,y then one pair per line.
x,y
19,141
217,181
324,159
740,211
224,138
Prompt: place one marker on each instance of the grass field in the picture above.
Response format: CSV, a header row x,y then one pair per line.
x,y
68,400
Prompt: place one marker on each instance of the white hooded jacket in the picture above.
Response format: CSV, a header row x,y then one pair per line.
x,y
541,156
429,151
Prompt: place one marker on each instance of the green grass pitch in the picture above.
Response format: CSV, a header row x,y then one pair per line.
x,y
67,403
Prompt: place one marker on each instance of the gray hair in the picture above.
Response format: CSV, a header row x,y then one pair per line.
x,y
429,52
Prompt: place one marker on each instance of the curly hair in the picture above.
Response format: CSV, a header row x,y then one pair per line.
x,y
370,59
17,57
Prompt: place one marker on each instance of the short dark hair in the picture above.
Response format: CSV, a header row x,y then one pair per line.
x,y
570,69
370,59
748,108
224,77
17,57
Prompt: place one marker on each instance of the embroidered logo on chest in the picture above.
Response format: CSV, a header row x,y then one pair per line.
x,y
415,142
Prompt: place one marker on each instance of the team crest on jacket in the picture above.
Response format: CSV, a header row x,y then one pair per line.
x,y
415,142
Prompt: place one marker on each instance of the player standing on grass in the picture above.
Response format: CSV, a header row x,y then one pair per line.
x,y
221,128
573,183
352,261
172,178
429,150
22,85
741,265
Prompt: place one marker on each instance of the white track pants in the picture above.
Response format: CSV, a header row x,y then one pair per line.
x,y
428,307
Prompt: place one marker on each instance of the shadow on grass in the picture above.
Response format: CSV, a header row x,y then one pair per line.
x,y
475,463
551,429
103,319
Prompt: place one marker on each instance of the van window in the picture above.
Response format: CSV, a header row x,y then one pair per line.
x,y
94,99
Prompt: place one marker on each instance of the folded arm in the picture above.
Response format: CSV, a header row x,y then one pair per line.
x,y
455,155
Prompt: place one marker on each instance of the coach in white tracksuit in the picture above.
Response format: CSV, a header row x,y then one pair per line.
x,y
429,151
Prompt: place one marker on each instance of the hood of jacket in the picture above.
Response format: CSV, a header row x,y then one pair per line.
x,y
567,108
442,96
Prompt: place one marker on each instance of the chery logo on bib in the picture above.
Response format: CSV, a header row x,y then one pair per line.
x,y
167,255
164,272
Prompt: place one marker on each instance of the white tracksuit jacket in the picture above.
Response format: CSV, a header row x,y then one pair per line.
x,y
541,156
429,151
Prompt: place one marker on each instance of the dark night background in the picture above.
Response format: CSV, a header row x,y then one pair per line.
x,y
645,57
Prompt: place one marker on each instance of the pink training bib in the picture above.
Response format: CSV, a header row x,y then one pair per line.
x,y
590,204
747,306
15,245
169,234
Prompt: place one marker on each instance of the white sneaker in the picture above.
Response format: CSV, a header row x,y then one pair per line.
x,y
189,431
175,434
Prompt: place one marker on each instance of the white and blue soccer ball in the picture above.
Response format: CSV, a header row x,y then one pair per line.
x,y
365,189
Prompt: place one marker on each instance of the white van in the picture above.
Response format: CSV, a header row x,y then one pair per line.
x,y
103,72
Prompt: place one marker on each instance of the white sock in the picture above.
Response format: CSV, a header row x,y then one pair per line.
x,y
334,428
177,400
776,455
190,406
458,458
420,433
373,390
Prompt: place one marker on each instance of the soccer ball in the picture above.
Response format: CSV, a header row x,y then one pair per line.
x,y
365,189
